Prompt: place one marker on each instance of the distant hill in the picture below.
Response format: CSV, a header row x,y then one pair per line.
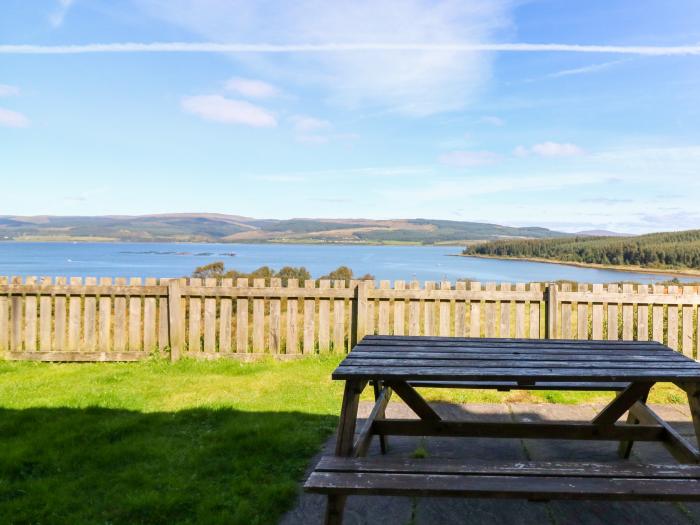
x,y
602,233
208,227
673,250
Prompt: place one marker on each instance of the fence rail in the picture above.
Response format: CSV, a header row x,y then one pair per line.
x,y
76,319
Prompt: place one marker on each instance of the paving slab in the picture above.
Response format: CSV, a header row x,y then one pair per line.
x,y
448,511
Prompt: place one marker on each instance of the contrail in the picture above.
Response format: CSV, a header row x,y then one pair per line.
x,y
213,47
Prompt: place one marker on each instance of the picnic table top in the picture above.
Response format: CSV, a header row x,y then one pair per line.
x,y
407,358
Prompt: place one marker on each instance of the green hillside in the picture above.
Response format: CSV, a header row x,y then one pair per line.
x,y
657,250
192,227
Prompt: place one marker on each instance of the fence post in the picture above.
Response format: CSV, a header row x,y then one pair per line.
x,y
551,311
359,314
175,319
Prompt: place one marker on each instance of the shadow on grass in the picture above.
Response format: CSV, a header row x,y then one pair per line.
x,y
98,465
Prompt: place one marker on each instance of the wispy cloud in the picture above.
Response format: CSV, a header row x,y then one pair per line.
x,y
549,149
492,120
214,47
585,70
13,119
56,17
251,88
221,109
8,91
467,159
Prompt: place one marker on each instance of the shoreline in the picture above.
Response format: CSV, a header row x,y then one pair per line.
x,y
595,266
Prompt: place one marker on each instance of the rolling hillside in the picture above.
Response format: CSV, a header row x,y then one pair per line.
x,y
195,227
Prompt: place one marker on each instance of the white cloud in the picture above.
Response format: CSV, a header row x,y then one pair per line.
x,y
229,111
8,91
13,119
492,121
465,159
305,124
549,149
56,18
249,87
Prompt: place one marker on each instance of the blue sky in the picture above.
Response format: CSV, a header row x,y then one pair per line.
x,y
395,109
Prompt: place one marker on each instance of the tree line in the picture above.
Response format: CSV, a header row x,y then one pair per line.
x,y
217,270
656,250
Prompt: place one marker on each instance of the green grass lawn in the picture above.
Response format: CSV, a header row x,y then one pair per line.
x,y
186,442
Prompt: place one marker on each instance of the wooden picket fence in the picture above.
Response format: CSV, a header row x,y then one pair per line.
x,y
59,319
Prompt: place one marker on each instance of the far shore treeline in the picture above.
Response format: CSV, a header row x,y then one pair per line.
x,y
674,250
217,270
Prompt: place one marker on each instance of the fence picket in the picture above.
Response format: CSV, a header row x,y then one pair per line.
x,y
90,319
120,318
613,321
275,327
414,312
370,320
309,319
687,321
16,318
194,329
258,319
504,325
292,341
324,314
475,312
535,308
242,319
460,311
597,315
566,308
59,318
444,314
74,307
399,310
657,317
225,311
339,319
672,321
105,323
210,318
163,317
627,315
429,310
384,305
4,318
149,319
45,318
582,315
490,312
642,315
30,318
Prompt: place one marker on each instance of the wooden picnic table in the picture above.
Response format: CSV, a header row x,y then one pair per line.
x,y
402,364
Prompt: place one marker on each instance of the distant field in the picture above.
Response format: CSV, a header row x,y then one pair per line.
x,y
661,251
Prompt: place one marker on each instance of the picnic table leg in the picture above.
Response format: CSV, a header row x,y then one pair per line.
x,y
625,448
382,414
693,391
344,444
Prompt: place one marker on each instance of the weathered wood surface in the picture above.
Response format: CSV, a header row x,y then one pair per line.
x,y
531,480
524,361
271,316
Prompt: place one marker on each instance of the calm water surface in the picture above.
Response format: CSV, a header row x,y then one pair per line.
x,y
384,262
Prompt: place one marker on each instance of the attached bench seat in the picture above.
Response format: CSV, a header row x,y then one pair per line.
x,y
513,385
528,480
